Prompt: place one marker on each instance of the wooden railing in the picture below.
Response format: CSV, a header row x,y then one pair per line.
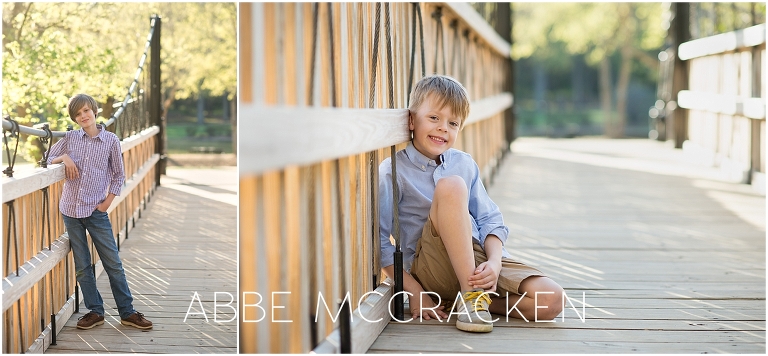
x,y
726,102
39,288
323,97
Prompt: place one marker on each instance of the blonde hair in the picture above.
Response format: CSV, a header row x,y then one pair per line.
x,y
448,91
78,101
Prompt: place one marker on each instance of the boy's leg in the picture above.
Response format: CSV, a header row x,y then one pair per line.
x,y
100,227
450,217
83,270
549,300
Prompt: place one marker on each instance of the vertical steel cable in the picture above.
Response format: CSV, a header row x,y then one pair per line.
x,y
421,38
375,57
398,299
373,155
345,311
14,133
315,12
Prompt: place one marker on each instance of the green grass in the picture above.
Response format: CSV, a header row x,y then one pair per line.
x,y
183,136
184,145
188,130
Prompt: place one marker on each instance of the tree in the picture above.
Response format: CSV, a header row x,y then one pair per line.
x,y
43,65
52,50
598,31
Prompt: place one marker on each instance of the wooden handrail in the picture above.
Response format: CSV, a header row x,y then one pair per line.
x,y
42,177
753,108
725,42
472,19
278,137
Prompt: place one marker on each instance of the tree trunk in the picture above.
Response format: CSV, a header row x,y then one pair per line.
x,y
225,108
622,88
605,95
200,108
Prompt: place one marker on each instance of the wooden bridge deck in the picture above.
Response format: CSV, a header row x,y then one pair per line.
x,y
186,242
670,257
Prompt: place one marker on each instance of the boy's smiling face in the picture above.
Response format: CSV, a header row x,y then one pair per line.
x,y
85,117
434,128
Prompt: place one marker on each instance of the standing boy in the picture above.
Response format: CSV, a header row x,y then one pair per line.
x,y
452,234
93,164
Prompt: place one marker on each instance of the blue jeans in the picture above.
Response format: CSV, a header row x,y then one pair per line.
x,y
100,228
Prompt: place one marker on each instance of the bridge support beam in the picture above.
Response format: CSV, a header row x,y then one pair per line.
x,y
155,102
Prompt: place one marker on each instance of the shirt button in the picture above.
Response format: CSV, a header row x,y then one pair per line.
x,y
422,167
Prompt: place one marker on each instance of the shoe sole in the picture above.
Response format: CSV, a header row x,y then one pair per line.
x,y
474,328
128,323
92,325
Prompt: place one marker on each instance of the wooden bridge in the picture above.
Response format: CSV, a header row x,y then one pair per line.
x,y
658,249
185,243
664,255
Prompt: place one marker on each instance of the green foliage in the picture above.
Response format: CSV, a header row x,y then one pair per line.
x,y
43,65
54,50
595,30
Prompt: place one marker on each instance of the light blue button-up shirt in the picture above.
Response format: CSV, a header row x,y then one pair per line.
x,y
417,176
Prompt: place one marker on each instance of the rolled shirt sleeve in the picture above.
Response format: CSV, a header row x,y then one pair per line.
x,y
485,212
116,167
58,148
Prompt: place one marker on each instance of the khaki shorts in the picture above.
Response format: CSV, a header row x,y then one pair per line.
x,y
433,270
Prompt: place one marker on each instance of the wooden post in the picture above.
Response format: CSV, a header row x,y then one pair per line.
x,y
155,102
677,124
504,28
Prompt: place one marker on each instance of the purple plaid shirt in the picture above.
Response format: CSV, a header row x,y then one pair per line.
x,y
100,163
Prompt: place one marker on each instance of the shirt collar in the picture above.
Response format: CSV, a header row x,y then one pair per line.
x,y
100,136
421,161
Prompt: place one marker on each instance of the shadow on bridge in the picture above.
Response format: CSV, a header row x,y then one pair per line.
x,y
185,244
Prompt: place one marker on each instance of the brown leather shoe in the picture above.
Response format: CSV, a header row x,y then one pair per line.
x,y
137,320
89,320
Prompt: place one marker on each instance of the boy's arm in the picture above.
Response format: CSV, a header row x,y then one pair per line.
x,y
485,212
58,155
103,206
116,168
486,275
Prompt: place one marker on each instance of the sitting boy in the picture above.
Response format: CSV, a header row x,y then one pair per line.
x,y
452,234
93,164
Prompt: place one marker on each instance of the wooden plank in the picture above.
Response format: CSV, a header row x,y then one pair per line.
x,y
164,279
335,133
366,325
315,134
257,52
245,52
39,178
32,271
753,108
139,138
748,37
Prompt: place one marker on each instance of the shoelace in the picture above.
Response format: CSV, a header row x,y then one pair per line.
x,y
477,296
140,315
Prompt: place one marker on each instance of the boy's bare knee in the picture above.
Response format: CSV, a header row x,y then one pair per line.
x,y
553,303
453,186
